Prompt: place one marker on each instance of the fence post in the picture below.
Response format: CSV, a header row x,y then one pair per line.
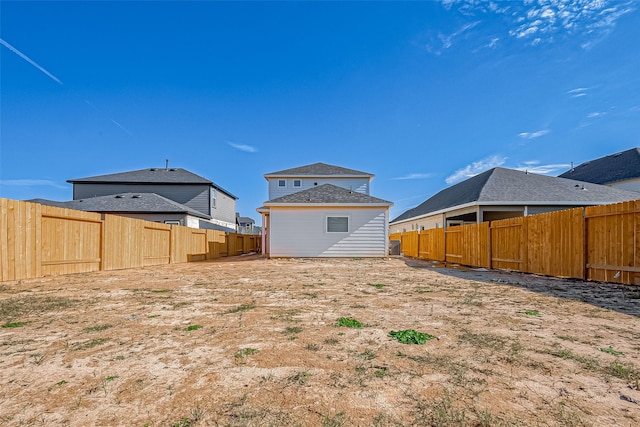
x,y
444,232
585,245
524,244
489,245
103,240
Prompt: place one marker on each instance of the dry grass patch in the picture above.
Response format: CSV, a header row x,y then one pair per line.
x,y
307,343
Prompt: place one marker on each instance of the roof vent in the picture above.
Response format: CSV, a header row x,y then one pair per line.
x,y
136,196
172,170
153,169
119,196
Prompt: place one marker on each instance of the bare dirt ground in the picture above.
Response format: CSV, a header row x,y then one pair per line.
x,y
256,342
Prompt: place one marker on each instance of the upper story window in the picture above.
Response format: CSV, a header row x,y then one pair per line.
x,y
297,183
213,198
282,183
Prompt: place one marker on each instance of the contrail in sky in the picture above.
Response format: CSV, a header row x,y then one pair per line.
x,y
29,60
57,80
104,114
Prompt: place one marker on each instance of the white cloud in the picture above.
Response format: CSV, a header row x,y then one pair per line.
x,y
493,43
533,135
445,41
414,176
534,166
537,21
243,147
29,60
577,92
32,183
596,114
476,168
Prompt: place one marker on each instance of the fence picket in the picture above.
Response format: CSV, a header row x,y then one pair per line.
x,y
594,243
38,240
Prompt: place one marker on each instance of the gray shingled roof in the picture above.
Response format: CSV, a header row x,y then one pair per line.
x,y
319,169
500,186
126,203
245,220
327,194
609,169
177,176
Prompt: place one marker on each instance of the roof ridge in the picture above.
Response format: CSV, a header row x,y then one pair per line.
x,y
319,169
327,193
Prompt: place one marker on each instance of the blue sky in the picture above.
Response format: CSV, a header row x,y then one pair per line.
x,y
421,94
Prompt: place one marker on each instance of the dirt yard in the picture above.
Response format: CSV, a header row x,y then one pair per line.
x,y
256,342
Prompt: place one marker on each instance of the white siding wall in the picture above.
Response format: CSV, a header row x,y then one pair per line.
x,y
434,221
225,210
303,233
360,185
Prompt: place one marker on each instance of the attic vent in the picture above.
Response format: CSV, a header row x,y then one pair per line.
x,y
136,196
172,170
153,169
616,155
119,196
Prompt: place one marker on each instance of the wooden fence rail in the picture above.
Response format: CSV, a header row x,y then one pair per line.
x,y
38,240
596,243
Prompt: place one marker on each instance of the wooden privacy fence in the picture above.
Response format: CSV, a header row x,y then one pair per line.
x,y
38,240
594,243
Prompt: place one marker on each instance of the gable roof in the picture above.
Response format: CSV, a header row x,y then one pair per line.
x,y
609,169
245,220
508,186
327,194
126,203
174,176
319,170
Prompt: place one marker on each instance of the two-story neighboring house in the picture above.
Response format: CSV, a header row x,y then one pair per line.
x,y
170,195
620,170
322,210
246,225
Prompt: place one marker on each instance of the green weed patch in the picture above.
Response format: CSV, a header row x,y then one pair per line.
x,y
90,344
410,336
610,350
531,312
349,322
242,307
14,324
97,328
245,352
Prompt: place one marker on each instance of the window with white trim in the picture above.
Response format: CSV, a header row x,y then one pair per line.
x,y
213,198
282,183
297,183
337,224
